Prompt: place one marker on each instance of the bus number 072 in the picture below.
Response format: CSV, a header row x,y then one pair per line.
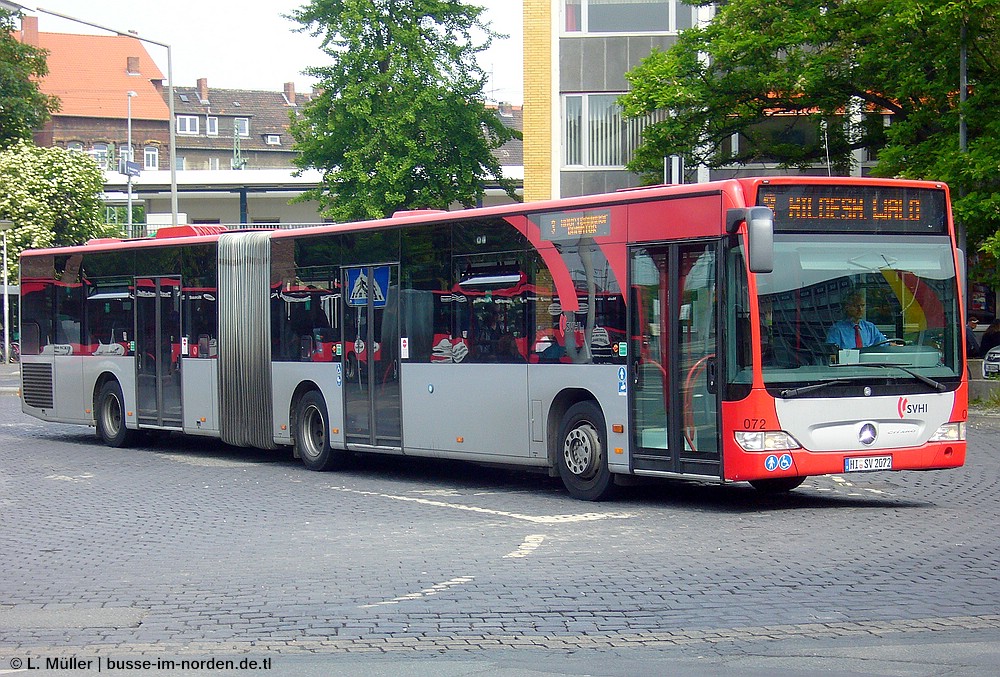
x,y
754,423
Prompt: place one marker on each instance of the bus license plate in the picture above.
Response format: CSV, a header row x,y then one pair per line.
x,y
867,463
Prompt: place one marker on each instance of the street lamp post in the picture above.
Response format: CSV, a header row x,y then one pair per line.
x,y
5,226
130,157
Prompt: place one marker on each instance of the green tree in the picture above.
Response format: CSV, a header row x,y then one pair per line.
x,y
806,82
23,107
401,121
52,195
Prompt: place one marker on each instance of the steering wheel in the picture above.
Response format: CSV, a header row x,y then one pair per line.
x,y
888,341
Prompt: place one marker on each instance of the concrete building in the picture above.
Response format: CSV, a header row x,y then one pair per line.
x,y
576,54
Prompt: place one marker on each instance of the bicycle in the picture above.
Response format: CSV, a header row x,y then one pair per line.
x,y
15,353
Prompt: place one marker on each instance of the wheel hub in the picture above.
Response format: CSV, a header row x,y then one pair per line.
x,y
582,450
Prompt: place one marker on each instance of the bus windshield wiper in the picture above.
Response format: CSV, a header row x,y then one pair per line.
x,y
789,393
937,385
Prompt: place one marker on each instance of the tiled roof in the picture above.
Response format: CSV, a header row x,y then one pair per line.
x,y
511,154
89,74
268,111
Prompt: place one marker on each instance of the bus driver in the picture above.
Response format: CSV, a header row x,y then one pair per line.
x,y
854,331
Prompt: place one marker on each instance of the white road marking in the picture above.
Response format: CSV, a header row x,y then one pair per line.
x,y
536,519
433,590
530,544
75,478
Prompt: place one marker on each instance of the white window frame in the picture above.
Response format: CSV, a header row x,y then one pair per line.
x,y
241,127
272,139
584,29
213,163
150,158
101,152
595,150
187,124
212,126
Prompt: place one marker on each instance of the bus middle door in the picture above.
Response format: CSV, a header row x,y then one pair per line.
x,y
371,357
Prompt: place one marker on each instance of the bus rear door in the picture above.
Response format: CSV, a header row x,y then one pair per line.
x,y
157,351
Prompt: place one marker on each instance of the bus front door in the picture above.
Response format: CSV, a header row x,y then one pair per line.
x,y
371,357
157,351
674,338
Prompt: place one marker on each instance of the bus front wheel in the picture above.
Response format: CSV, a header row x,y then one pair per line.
x,y
582,456
312,434
110,416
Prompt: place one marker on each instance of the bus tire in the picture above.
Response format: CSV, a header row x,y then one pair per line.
x,y
582,456
312,434
109,410
777,485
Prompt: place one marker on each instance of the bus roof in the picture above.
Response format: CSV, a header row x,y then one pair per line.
x,y
742,192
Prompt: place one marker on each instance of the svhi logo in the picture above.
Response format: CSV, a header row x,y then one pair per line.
x,y
905,408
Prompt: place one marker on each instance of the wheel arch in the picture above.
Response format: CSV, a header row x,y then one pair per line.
x,y
561,403
293,406
102,378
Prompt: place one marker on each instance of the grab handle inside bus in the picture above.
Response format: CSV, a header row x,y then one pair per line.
x,y
760,235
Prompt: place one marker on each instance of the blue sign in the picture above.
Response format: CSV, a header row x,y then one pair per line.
x,y
358,285
785,461
621,373
771,463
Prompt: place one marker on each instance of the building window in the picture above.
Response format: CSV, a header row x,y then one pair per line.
x,y
626,16
74,145
150,157
272,140
100,154
187,124
213,163
596,133
180,164
241,127
212,126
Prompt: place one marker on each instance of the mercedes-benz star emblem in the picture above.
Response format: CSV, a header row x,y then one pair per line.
x,y
867,434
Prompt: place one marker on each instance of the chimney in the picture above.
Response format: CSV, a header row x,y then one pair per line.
x,y
290,93
132,65
29,30
203,90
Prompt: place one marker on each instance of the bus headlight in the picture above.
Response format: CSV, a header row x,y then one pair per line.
x,y
949,432
771,440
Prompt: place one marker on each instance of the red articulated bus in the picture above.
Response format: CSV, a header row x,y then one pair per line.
x,y
704,331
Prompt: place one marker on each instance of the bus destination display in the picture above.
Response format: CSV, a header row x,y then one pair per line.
x,y
571,226
877,209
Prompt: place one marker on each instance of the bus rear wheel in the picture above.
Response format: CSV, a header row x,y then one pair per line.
x,y
777,485
582,453
109,410
312,434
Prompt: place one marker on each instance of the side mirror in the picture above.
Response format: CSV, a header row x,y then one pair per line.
x,y
760,235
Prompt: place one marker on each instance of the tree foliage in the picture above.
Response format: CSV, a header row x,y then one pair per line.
x,y
52,195
23,107
837,67
401,121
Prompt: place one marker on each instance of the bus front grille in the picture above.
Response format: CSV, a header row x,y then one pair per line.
x,y
36,385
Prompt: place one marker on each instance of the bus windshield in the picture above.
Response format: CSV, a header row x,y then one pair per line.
x,y
864,307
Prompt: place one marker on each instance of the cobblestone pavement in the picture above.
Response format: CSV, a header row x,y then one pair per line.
x,y
187,547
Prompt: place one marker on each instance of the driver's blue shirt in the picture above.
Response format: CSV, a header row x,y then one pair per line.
x,y
842,334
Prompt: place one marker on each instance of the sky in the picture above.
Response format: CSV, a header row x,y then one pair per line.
x,y
227,41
